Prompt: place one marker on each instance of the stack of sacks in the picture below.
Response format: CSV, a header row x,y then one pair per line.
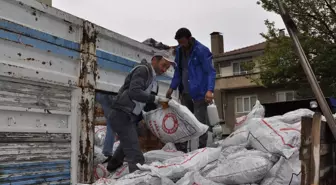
x,y
258,111
175,168
278,136
100,170
167,152
262,151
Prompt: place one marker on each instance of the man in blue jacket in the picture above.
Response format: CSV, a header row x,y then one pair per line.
x,y
194,77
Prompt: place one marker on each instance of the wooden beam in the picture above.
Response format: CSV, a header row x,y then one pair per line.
x,y
315,149
305,149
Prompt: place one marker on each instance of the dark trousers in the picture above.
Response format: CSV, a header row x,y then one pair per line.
x,y
129,149
199,108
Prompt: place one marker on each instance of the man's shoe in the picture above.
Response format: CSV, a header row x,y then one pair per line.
x,y
113,165
132,168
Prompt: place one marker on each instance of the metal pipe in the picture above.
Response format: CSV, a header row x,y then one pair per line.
x,y
292,30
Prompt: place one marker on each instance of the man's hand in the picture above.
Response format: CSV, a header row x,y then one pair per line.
x,y
169,93
209,97
160,99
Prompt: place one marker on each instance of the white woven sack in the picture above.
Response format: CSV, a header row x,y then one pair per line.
x,y
175,124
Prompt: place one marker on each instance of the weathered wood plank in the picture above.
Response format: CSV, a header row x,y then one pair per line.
x,y
25,95
305,149
315,149
325,149
317,152
16,147
326,134
9,137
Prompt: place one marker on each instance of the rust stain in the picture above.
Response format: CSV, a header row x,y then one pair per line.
x,y
36,10
29,45
90,86
84,152
89,38
71,30
88,65
10,65
66,21
44,63
81,74
95,70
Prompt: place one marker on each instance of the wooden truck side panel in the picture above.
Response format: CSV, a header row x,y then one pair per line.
x,y
317,152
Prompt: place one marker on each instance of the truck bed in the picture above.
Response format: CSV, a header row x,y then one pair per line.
x,y
52,64
317,152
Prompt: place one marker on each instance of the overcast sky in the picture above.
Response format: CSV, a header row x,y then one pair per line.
x,y
240,21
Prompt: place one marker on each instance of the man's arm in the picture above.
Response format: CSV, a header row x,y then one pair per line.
x,y
137,88
206,59
176,78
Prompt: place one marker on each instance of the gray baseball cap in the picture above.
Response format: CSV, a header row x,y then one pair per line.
x,y
165,56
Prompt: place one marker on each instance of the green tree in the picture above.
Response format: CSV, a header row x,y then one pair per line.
x,y
316,22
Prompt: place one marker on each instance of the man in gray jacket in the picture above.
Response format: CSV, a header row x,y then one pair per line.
x,y
129,103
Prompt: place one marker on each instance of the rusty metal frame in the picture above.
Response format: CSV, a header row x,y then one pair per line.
x,y
87,83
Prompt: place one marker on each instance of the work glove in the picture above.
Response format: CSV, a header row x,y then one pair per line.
x,y
160,99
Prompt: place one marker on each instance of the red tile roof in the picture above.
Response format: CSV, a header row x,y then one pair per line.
x,y
255,47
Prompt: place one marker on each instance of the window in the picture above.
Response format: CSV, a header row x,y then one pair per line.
x,y
244,104
285,96
238,68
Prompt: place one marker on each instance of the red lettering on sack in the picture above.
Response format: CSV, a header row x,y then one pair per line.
x,y
188,158
157,129
282,139
151,126
175,123
119,172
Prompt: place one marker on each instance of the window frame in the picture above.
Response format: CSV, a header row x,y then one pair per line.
x,y
285,94
243,106
240,69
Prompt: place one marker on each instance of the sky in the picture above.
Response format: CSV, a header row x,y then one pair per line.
x,y
240,21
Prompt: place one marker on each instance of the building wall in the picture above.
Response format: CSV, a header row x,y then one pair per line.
x,y
236,82
226,71
225,68
228,98
218,98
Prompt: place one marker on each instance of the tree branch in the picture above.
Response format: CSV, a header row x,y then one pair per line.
x,y
323,23
330,8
